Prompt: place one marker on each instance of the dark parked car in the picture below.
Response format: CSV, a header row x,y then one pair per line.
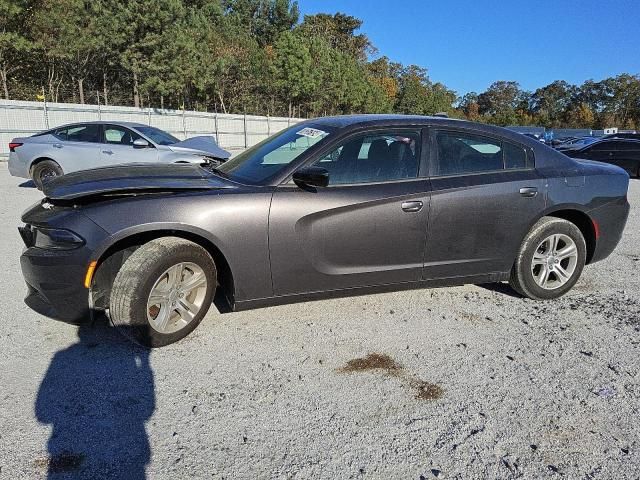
x,y
620,152
331,206
576,143
627,135
535,137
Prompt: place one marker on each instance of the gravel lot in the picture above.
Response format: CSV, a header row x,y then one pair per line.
x,y
468,382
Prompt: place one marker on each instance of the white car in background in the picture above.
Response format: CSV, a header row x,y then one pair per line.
x,y
82,146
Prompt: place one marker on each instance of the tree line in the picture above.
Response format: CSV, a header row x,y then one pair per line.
x,y
258,57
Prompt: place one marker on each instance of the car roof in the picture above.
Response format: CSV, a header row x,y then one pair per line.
x,y
341,121
618,140
104,122
629,141
349,122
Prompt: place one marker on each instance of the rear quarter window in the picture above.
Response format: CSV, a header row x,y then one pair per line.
x,y
515,156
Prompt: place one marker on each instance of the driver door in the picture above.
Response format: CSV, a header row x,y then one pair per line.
x,y
117,147
366,228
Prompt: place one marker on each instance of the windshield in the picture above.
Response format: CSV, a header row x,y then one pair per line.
x,y
269,157
158,136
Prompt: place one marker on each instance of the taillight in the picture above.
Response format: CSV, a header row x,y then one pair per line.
x,y
13,146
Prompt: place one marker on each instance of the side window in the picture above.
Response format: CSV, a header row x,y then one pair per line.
x,y
117,135
460,153
374,157
61,133
628,146
286,153
602,147
79,133
514,156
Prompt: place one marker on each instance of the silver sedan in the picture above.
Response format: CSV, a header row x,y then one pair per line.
x,y
83,146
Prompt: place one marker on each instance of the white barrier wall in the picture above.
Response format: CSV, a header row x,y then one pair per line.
x,y
234,132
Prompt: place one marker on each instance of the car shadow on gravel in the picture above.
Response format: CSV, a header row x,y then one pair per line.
x,y
27,184
502,288
97,395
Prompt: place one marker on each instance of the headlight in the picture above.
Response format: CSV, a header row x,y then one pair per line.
x,y
55,239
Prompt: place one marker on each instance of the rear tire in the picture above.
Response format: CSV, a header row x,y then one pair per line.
x,y
550,260
162,291
44,171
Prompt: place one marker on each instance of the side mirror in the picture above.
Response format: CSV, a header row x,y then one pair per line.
x,y
311,177
140,143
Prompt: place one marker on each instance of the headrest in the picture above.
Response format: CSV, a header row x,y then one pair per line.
x,y
378,150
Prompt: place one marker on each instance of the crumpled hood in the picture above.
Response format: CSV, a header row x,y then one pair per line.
x,y
204,144
133,178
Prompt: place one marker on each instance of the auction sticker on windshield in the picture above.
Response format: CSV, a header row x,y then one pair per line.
x,y
311,132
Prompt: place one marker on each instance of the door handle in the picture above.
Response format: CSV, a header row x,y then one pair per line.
x,y
414,206
57,145
529,191
108,152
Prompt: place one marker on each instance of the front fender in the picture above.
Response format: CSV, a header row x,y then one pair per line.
x,y
158,227
235,224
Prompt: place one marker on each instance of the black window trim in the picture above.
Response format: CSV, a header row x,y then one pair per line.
x,y
433,157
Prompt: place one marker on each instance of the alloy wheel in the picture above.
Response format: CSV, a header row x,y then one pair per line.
x,y
554,261
47,174
176,297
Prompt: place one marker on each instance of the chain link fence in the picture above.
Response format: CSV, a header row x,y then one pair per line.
x,y
232,132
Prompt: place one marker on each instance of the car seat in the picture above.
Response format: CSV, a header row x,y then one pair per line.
x,y
403,159
378,158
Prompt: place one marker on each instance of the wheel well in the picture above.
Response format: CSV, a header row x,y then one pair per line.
x,y
584,223
40,160
111,260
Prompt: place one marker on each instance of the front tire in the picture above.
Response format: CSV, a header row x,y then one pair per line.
x,y
550,260
44,171
163,291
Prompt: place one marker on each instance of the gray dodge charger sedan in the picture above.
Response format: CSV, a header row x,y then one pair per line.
x,y
83,146
332,206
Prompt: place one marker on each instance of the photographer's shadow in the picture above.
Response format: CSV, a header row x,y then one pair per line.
x,y
97,395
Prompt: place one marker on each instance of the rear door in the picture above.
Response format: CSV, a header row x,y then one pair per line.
x,y
368,227
486,194
77,147
118,147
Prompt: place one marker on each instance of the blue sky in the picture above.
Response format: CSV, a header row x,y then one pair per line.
x,y
468,44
